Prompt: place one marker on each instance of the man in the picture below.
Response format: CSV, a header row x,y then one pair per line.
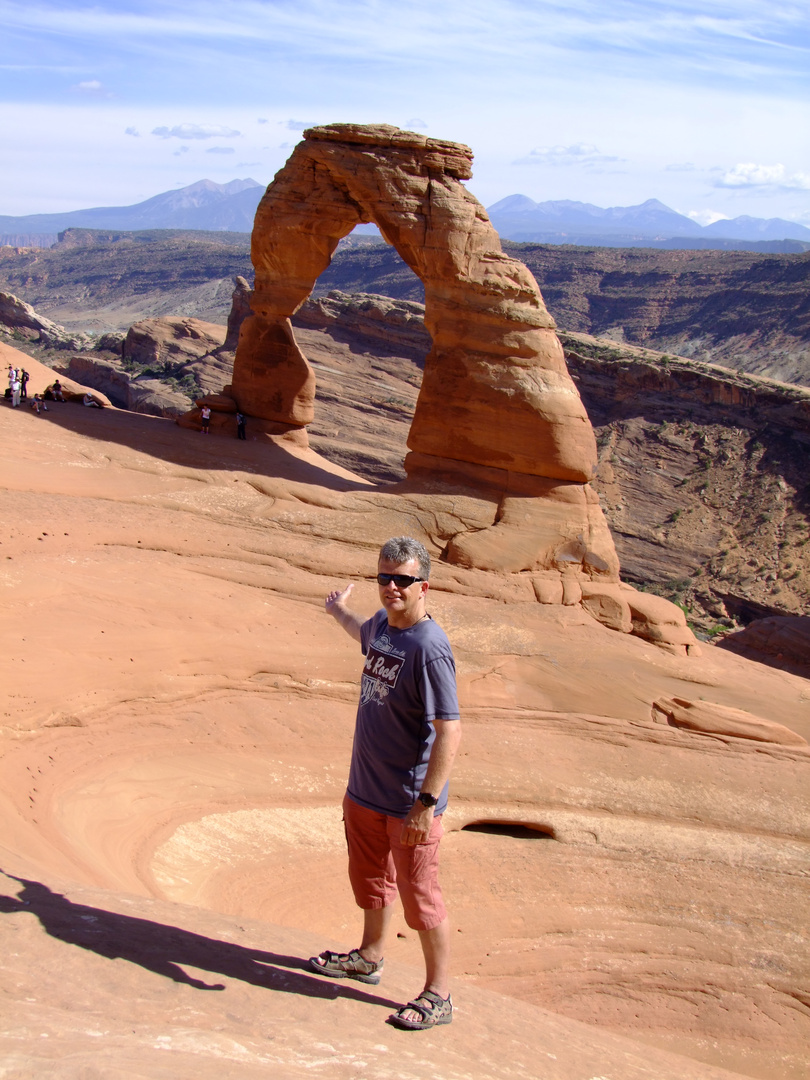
x,y
406,737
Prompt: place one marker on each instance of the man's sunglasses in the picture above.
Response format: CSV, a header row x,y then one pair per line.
x,y
402,581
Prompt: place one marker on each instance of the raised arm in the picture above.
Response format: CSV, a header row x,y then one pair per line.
x,y
335,605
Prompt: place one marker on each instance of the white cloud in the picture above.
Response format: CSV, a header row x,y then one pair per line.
x,y
91,88
685,166
576,154
415,124
220,150
706,217
750,175
298,125
196,131
132,131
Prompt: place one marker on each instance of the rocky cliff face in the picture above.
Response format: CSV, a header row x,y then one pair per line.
x,y
744,311
703,478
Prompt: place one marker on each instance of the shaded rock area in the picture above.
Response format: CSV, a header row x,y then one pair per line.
x,y
163,365
627,896
143,393
714,719
779,641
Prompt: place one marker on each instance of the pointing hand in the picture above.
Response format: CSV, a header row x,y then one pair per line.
x,y
337,598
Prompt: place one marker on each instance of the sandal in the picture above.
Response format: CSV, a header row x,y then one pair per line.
x,y
347,966
438,1010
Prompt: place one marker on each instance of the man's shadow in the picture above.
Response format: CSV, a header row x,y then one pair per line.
x,y
164,949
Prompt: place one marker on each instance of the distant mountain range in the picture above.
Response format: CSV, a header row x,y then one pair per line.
x,y
205,205
231,208
651,224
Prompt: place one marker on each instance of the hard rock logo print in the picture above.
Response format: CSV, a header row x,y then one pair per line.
x,y
381,671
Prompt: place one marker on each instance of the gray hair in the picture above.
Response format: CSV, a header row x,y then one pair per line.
x,y
400,549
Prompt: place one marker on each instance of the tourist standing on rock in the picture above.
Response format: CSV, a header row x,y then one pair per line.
x,y
24,377
16,387
205,416
406,736
241,433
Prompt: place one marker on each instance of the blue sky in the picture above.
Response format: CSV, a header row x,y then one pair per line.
x,y
703,104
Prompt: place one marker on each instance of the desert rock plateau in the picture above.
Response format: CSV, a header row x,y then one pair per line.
x,y
629,894
627,845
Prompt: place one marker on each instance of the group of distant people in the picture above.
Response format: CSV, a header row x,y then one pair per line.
x,y
17,392
17,385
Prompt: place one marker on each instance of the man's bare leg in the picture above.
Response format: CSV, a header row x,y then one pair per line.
x,y
376,922
436,949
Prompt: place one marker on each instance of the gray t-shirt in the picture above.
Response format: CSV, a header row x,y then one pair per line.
x,y
409,680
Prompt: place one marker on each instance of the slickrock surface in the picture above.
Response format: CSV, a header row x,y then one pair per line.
x,y
176,726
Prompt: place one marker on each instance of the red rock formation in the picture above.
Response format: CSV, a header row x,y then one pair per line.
x,y
496,391
712,719
498,418
240,309
175,340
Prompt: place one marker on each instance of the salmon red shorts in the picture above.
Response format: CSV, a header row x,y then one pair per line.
x,y
380,865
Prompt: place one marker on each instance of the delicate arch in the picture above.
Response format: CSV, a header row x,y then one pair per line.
x,y
495,391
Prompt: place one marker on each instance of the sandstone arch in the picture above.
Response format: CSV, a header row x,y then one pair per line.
x,y
496,391
498,417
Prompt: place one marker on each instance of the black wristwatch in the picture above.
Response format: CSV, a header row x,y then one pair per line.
x,y
427,800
